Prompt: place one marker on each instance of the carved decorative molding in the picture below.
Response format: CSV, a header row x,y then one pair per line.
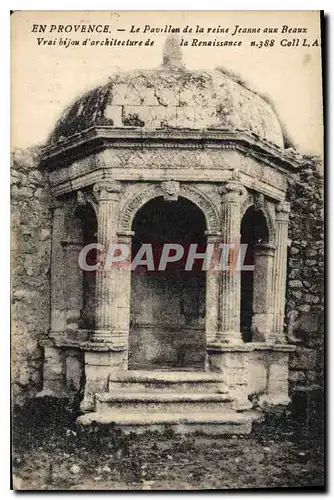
x,y
107,190
170,190
282,211
57,203
260,203
232,191
83,199
187,191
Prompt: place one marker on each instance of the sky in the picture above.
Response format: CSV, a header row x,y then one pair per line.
x,y
46,79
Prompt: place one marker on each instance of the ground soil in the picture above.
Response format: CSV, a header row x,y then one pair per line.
x,y
51,453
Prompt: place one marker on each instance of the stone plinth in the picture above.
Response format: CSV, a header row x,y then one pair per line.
x,y
253,369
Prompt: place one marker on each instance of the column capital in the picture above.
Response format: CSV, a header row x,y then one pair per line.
x,y
57,203
125,236
231,191
213,237
71,244
265,249
107,190
283,211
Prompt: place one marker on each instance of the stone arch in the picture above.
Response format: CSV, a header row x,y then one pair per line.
x,y
191,193
71,205
79,228
260,204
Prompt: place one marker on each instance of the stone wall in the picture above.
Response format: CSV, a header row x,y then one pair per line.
x,y
30,269
305,282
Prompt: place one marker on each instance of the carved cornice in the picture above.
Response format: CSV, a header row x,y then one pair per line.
x,y
98,138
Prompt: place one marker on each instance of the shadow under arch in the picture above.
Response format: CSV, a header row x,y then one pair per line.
x,y
167,326
81,230
254,233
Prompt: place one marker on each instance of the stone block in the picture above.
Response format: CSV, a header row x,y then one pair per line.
x,y
308,322
74,369
113,359
295,284
303,359
297,377
257,373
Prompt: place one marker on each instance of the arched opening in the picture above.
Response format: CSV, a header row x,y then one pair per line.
x,y
167,327
254,233
81,230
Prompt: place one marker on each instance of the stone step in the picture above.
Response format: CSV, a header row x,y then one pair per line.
x,y
214,422
162,401
170,381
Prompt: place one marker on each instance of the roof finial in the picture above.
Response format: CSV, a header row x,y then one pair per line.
x,y
172,54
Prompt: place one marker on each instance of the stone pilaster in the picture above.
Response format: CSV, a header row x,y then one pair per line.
x,y
232,193
279,270
123,296
107,194
74,284
212,293
58,274
262,293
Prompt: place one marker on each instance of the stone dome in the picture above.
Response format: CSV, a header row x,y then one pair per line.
x,y
171,97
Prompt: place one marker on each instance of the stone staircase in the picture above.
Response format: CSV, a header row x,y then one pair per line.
x,y
186,401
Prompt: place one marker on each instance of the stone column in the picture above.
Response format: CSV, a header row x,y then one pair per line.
x,y
212,292
262,293
58,275
279,270
107,194
123,292
232,196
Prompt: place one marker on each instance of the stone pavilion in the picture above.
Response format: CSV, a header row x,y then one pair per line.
x,y
169,154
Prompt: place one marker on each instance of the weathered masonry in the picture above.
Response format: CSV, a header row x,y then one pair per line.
x,y
169,155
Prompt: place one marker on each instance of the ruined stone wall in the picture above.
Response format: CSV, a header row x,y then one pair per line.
x,y
30,271
305,281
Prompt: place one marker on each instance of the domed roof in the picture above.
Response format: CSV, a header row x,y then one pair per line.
x,y
171,97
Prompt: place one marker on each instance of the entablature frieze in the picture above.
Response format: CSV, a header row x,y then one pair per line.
x,y
98,138
160,165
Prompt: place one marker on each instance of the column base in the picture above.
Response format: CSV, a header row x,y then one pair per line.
x,y
230,338
274,400
102,336
280,338
118,338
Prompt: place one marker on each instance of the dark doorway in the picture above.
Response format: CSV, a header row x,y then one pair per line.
x,y
167,328
254,230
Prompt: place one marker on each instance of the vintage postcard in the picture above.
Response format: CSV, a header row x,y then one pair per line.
x,y
167,250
